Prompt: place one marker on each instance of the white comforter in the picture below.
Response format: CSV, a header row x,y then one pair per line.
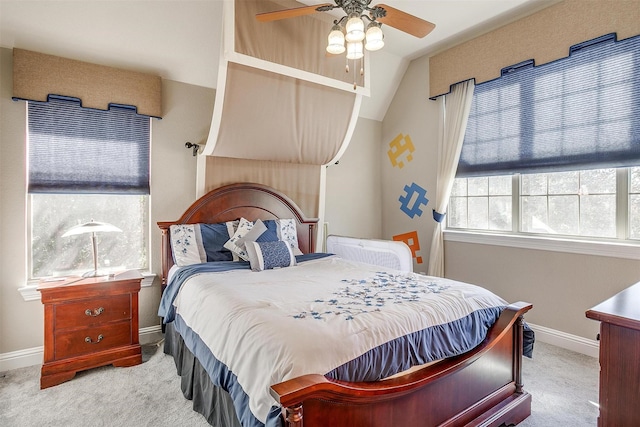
x,y
328,312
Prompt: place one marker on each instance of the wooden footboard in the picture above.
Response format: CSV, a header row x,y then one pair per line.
x,y
482,387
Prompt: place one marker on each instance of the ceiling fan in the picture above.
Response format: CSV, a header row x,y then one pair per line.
x,y
351,26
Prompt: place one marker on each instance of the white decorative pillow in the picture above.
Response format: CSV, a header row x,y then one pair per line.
x,y
253,234
288,232
269,255
186,244
244,226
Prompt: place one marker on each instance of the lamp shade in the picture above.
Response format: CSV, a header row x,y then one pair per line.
x,y
354,28
335,43
375,37
91,227
354,50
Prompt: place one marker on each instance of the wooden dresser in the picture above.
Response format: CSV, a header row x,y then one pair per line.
x,y
89,322
619,358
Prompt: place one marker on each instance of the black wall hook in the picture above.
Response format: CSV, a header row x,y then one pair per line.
x,y
195,147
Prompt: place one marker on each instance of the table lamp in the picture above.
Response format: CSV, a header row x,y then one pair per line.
x,y
92,227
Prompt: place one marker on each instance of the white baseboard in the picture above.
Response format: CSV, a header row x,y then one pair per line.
x,y
21,358
33,356
565,340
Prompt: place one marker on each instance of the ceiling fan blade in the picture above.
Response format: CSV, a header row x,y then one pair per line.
x,y
289,13
406,22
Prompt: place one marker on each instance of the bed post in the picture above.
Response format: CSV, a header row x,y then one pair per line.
x,y
293,415
517,363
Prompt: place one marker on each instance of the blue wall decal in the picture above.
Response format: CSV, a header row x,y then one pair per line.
x,y
418,195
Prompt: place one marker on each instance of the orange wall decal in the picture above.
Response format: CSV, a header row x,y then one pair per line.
x,y
411,239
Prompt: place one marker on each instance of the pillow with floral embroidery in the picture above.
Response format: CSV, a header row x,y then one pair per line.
x,y
270,255
287,230
186,244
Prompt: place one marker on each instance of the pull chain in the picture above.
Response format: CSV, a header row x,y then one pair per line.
x,y
355,78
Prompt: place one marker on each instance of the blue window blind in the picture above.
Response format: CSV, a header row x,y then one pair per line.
x,y
80,150
579,112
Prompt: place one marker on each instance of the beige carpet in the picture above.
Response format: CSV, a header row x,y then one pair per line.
x,y
563,385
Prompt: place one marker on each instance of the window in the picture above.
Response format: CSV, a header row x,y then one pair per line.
x,y
481,203
554,149
585,204
87,165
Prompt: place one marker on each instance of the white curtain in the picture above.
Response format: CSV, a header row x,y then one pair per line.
x,y
454,110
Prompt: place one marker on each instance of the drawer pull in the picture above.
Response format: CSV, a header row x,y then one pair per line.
x,y
90,341
94,313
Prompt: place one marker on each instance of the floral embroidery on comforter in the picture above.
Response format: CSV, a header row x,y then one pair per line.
x,y
361,296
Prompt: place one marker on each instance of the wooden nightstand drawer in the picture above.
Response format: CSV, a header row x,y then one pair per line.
x,y
93,312
89,322
90,340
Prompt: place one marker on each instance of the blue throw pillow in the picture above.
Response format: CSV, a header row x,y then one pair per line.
x,y
214,236
269,255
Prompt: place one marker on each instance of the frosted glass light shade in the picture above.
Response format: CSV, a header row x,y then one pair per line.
x,y
354,28
354,50
335,43
375,38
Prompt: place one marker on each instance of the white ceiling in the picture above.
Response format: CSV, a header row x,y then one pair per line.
x,y
180,39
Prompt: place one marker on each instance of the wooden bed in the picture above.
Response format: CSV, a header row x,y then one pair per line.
x,y
482,387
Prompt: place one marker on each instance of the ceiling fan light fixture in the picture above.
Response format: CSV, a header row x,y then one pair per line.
x,y
335,41
354,50
354,28
375,37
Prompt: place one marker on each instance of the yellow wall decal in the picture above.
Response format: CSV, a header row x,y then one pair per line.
x,y
401,146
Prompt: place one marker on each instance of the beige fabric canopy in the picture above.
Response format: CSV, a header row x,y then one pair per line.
x,y
284,109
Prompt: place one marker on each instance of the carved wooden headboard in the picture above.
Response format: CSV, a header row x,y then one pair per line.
x,y
231,202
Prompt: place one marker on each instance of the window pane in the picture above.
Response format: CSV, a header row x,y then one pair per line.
x,y
500,185
634,181
500,213
478,213
564,183
598,216
459,187
53,214
564,214
478,186
457,212
534,215
598,181
634,216
533,184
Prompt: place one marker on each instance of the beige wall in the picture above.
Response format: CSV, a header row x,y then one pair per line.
x,y
561,286
353,188
187,115
354,198
410,113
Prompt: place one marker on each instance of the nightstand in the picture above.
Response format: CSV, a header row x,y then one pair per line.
x,y
89,322
619,318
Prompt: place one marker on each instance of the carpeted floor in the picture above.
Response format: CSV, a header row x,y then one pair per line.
x,y
563,384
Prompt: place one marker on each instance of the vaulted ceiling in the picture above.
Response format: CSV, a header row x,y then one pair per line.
x,y
180,39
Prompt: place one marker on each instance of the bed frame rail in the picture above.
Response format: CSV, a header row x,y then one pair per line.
x,y
441,394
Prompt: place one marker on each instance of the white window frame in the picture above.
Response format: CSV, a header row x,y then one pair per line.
x,y
621,247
